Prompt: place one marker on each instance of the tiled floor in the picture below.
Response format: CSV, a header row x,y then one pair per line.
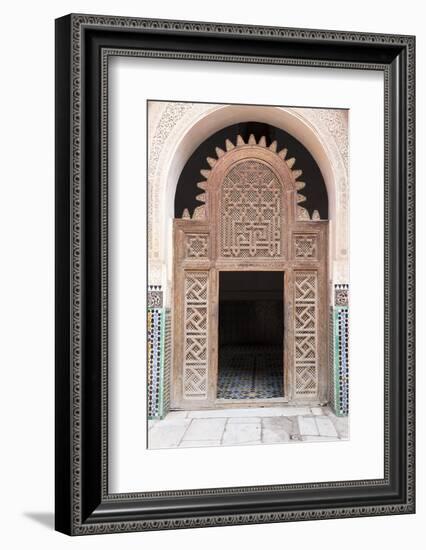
x,y
250,372
249,426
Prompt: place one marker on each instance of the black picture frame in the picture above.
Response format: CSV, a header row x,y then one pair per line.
x,y
83,45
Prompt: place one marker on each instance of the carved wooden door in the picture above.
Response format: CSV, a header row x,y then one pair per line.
x,y
250,219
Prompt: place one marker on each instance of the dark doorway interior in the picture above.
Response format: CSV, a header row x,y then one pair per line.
x,y
251,333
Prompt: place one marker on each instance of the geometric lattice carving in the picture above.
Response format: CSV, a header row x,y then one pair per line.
x,y
196,245
251,212
196,335
305,247
305,333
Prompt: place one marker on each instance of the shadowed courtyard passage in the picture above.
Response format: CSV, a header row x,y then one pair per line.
x,y
251,333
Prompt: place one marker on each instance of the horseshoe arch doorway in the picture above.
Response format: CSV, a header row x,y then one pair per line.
x,y
249,222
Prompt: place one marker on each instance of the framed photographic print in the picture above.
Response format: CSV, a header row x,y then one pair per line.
x,y
234,274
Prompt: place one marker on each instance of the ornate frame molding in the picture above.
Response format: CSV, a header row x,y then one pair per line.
x,y
83,45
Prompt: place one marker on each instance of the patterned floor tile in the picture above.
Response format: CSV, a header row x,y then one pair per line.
x,y
250,372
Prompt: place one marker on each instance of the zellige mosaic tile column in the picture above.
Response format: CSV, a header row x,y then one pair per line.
x,y
158,352
339,351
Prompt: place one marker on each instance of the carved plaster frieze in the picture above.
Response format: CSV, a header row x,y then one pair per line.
x,y
167,126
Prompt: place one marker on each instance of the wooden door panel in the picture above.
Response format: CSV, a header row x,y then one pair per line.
x,y
256,232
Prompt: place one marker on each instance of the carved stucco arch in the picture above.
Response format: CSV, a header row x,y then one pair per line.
x,y
177,129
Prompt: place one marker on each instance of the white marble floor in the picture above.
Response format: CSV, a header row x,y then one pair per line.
x,y
250,426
